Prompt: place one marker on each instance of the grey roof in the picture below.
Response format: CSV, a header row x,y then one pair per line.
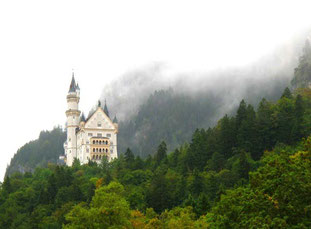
x,y
106,109
77,87
72,87
115,120
82,119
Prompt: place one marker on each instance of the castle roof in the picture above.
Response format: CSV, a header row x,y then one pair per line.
x,y
115,120
73,86
82,118
106,109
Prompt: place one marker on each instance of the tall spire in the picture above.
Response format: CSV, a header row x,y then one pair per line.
x,y
72,87
106,109
115,120
82,119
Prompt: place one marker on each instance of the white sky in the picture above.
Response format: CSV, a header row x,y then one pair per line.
x,y
42,41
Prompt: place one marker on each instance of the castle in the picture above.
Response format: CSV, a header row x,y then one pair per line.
x,y
90,138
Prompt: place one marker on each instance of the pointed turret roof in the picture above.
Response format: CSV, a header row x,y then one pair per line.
x,y
72,87
77,87
115,120
82,118
106,109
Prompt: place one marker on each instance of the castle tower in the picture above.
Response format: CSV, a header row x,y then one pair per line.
x,y
73,114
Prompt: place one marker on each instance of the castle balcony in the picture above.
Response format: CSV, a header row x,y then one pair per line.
x,y
99,148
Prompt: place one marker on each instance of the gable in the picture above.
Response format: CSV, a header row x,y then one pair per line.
x,y
99,117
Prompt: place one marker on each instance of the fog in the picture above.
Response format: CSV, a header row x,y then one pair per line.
x,y
265,77
131,48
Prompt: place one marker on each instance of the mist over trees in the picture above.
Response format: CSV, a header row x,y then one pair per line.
x,y
152,107
232,175
248,169
302,76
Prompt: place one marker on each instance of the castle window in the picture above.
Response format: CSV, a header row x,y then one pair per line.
x,y
90,134
97,150
87,150
94,150
106,150
99,135
99,124
108,135
106,142
100,150
93,157
96,141
93,141
100,142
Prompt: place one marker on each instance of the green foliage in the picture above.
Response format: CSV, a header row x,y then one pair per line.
x,y
46,149
217,180
278,195
107,209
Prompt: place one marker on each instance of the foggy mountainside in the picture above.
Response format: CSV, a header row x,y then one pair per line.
x,y
251,170
47,148
152,108
192,100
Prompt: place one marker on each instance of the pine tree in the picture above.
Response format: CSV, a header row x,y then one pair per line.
x,y
161,153
241,114
287,94
297,129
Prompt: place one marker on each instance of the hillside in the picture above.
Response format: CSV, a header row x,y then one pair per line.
x,y
207,182
38,153
172,115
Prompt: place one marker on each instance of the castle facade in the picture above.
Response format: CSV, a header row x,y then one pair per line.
x,y
90,138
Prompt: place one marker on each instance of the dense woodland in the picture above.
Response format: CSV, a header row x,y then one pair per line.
x,y
204,183
251,170
172,116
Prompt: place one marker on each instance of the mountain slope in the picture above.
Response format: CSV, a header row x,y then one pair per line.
x,y
47,148
206,183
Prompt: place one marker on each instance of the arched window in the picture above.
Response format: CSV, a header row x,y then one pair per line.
x,y
93,141
96,157
93,157
93,150
100,157
106,142
100,150
96,150
106,150
96,141
100,142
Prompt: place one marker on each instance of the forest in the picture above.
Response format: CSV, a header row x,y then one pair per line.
x,y
250,170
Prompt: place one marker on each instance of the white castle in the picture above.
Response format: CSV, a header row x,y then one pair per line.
x,y
92,138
